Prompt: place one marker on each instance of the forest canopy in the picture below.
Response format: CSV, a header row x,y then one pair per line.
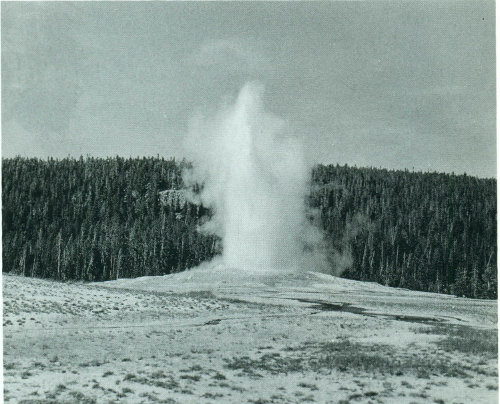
x,y
99,219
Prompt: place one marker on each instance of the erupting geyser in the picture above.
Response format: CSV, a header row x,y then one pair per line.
x,y
254,178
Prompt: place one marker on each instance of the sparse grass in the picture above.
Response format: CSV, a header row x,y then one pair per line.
x,y
249,304
419,395
93,363
152,398
149,396
195,368
218,376
157,379
26,374
158,374
364,366
199,351
470,341
260,401
272,363
82,398
464,339
308,386
212,395
345,356
355,396
201,294
194,378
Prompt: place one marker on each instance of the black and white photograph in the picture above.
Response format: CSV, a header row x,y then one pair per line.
x,y
249,202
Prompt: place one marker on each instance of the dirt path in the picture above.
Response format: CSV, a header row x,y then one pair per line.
x,y
209,339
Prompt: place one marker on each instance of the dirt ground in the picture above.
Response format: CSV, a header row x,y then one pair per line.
x,y
216,337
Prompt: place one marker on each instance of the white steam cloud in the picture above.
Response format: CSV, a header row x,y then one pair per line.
x,y
255,180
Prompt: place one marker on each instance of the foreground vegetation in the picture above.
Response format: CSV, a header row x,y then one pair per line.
x,y
100,219
165,340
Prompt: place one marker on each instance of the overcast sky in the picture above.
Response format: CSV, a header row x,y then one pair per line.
x,y
396,85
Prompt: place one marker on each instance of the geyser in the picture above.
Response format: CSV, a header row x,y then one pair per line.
x,y
254,178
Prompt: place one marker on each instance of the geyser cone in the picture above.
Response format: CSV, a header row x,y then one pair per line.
x,y
255,180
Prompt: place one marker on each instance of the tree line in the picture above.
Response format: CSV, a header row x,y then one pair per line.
x,y
99,219
422,231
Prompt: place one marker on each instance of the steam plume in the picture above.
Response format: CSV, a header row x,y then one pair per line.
x,y
255,179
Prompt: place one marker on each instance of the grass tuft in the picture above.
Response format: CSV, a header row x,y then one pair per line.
x,y
345,356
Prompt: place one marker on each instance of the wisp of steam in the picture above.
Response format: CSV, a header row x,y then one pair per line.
x,y
254,178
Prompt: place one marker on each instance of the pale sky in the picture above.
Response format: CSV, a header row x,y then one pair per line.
x,y
383,84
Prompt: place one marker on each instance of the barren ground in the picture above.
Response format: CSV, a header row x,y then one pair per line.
x,y
201,337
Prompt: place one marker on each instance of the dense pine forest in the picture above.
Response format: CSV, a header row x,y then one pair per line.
x,y
100,219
